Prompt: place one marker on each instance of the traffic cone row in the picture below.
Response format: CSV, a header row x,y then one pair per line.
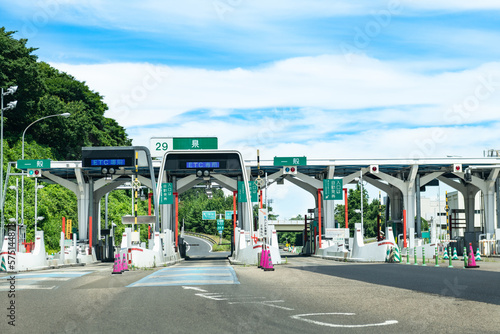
x,y
455,255
478,255
445,255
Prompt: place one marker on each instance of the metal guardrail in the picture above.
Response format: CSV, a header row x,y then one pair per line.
x,y
200,236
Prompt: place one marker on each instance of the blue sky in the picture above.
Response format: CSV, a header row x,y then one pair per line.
x,y
343,79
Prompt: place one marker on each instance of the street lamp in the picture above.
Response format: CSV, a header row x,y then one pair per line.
x,y
10,105
66,114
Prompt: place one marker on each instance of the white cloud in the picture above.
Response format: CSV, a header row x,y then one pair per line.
x,y
327,86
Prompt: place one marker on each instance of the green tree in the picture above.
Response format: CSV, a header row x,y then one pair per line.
x,y
43,91
194,201
370,212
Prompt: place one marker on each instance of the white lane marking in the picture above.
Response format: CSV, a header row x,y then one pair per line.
x,y
209,244
213,296
300,317
181,282
28,287
43,279
193,288
266,303
191,274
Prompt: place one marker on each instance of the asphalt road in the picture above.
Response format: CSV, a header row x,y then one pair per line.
x,y
207,295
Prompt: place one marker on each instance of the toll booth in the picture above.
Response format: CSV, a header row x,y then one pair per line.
x,y
183,170
105,169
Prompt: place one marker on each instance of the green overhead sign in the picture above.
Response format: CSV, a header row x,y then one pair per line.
x,y
290,161
332,189
220,224
27,164
254,191
195,143
167,193
208,215
242,194
229,214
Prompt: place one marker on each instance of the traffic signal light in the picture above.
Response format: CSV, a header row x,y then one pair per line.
x,y
289,170
457,168
34,172
374,169
203,173
107,171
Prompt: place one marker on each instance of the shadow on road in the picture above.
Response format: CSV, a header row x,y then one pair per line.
x,y
469,284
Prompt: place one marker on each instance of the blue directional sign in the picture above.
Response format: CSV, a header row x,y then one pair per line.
x,y
208,215
229,214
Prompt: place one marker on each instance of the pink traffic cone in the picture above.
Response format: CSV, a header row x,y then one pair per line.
x,y
472,260
264,259
269,262
124,263
116,266
261,259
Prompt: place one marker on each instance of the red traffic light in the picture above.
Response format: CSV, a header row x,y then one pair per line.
x,y
374,168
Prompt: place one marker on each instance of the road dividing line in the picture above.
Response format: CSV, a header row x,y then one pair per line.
x,y
266,303
193,288
212,296
327,324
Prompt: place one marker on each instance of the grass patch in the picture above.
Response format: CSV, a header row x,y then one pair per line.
x,y
216,247
221,248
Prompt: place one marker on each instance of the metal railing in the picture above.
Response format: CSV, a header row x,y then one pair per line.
x,y
198,235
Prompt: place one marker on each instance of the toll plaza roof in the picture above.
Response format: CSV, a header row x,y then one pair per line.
x,y
68,170
343,167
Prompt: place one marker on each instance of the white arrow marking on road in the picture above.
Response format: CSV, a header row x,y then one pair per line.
x,y
266,303
213,296
193,288
300,317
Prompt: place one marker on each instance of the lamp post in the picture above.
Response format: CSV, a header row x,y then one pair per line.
x,y
10,105
16,188
66,114
36,201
